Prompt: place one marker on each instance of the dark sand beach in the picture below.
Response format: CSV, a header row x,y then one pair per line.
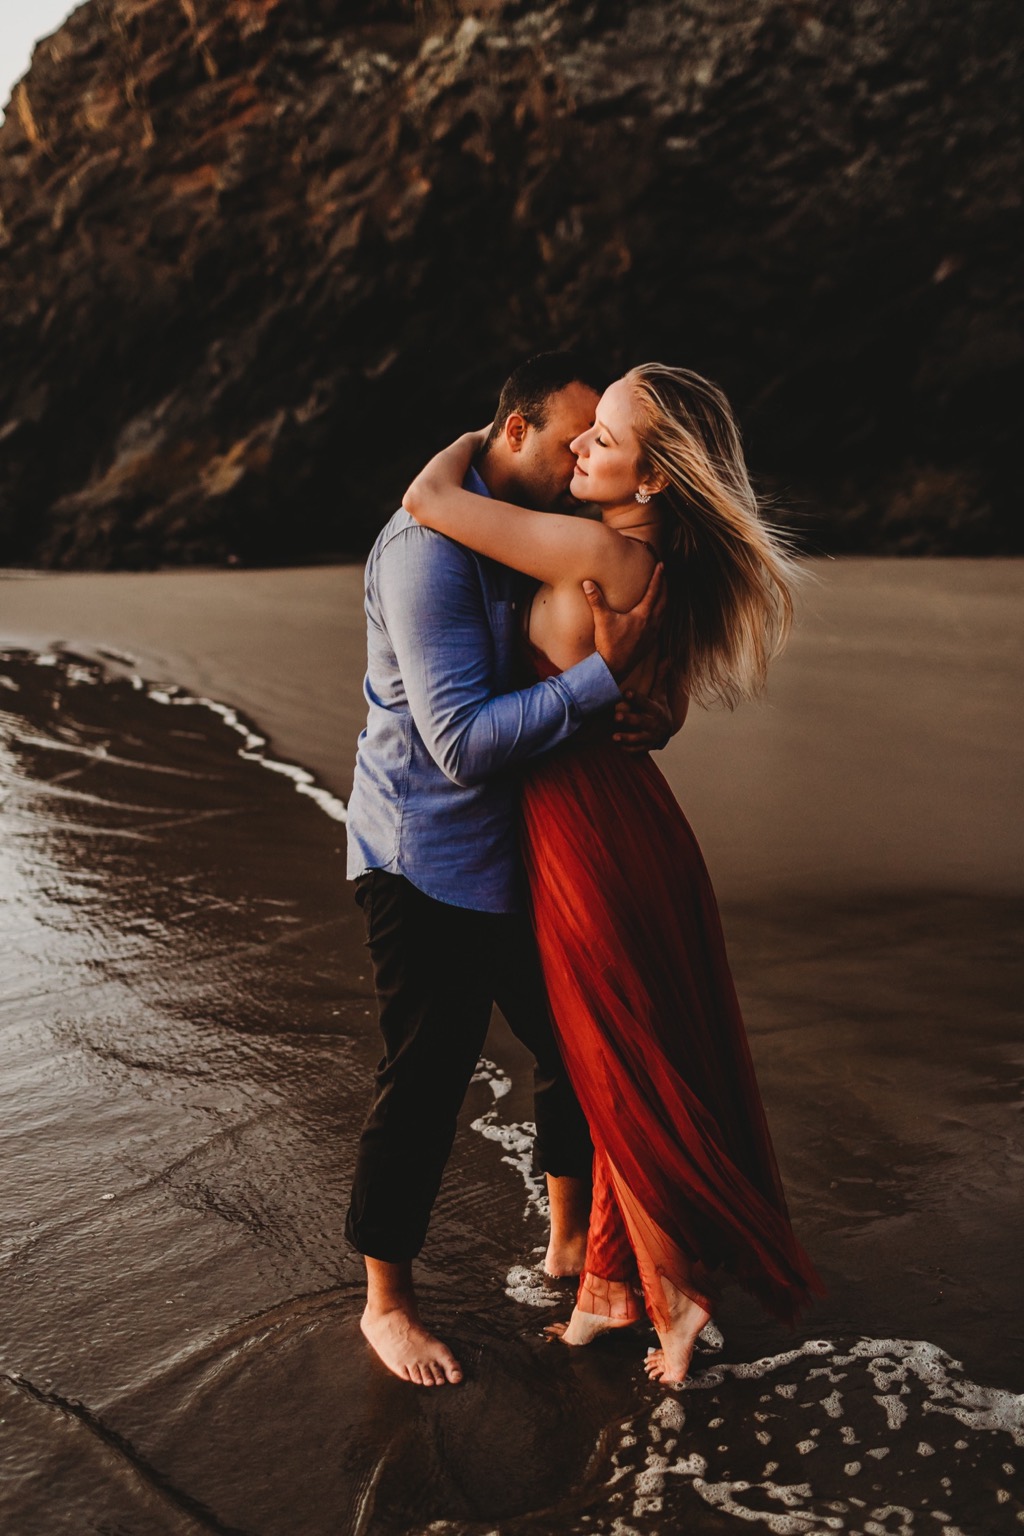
x,y
187,1037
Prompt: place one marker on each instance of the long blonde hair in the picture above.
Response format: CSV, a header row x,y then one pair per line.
x,y
730,573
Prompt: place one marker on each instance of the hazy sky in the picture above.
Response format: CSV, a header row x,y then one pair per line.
x,y
22,23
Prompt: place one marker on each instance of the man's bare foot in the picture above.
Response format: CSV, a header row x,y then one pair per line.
x,y
670,1363
569,1200
565,1257
411,1353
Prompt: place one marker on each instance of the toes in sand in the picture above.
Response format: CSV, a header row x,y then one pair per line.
x,y
670,1363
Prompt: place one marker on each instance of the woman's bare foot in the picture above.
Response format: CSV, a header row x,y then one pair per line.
x,y
670,1363
583,1327
400,1340
605,1304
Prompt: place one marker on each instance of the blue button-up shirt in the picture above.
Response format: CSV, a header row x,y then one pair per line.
x,y
435,794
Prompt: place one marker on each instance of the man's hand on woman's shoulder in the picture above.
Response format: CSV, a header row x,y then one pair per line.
x,y
622,640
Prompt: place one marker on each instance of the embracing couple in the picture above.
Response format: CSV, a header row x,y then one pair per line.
x,y
513,842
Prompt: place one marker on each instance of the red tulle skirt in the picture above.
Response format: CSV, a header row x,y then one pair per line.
x,y
685,1180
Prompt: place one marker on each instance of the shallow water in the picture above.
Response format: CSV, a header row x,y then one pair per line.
x,y
187,1038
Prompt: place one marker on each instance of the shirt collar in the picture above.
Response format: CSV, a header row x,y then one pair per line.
x,y
474,483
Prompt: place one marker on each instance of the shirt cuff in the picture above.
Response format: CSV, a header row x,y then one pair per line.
x,y
590,685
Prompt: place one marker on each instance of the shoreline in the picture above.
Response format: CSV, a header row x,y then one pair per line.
x,y
888,719
188,1043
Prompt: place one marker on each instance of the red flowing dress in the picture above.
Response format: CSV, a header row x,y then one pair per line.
x,y
642,998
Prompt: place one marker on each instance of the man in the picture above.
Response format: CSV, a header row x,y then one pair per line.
x,y
432,848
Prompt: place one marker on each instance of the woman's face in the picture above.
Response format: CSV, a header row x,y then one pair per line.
x,y
608,453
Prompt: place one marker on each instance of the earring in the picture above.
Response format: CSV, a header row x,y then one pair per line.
x,y
643,497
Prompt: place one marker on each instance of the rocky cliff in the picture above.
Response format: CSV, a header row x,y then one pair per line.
x,y
257,257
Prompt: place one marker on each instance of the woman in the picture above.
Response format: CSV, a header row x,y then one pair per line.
x,y
686,1189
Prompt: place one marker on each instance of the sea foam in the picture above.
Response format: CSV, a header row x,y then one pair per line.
x,y
864,1436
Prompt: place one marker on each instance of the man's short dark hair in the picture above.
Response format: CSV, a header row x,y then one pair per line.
x,y
528,388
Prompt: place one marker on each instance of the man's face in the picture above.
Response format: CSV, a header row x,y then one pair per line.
x,y
544,465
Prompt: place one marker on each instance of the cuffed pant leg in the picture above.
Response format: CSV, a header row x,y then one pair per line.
x,y
434,999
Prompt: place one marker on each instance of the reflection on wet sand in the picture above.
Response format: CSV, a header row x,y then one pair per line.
x,y
188,1045
187,1040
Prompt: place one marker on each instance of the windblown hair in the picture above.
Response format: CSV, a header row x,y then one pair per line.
x,y
729,572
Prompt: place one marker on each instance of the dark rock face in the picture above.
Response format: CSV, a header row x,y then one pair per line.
x,y
258,257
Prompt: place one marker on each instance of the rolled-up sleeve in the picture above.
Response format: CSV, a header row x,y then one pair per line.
x,y
429,595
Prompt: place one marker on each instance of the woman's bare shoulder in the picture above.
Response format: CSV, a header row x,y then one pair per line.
x,y
627,566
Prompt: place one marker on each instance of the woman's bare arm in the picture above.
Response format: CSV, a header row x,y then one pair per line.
x,y
549,546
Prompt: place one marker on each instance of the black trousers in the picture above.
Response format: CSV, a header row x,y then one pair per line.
x,y
438,970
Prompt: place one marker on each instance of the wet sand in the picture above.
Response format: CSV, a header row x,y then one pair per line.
x,y
884,758
187,1037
